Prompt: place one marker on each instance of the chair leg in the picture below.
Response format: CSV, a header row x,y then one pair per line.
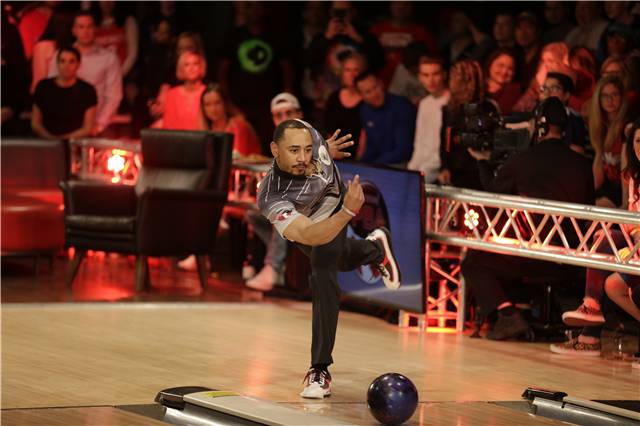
x,y
142,273
73,267
201,261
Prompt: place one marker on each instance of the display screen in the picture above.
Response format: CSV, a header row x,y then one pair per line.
x,y
394,199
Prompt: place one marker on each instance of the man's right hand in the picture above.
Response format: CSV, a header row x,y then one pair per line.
x,y
355,196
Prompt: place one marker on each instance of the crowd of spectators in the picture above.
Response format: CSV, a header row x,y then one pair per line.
x,y
395,75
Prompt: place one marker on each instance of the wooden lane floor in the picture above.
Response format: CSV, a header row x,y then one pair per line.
x,y
104,355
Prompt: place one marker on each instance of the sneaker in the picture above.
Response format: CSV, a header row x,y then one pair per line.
x,y
266,279
583,316
317,384
575,347
507,327
389,267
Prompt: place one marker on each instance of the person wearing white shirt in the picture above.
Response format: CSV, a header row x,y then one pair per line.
x,y
99,67
426,144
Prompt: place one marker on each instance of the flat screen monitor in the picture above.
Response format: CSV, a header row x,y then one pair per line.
x,y
395,199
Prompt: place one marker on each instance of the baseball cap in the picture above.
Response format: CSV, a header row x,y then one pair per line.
x,y
553,111
284,100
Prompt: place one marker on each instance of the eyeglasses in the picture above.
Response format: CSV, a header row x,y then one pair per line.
x,y
551,89
609,96
287,113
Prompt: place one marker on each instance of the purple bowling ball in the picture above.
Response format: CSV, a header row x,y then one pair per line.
x,y
392,399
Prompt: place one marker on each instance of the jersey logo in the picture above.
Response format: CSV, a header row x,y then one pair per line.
x,y
324,156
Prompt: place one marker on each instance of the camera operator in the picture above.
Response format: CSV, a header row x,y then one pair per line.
x,y
549,169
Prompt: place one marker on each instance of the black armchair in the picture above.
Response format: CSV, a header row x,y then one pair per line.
x,y
173,210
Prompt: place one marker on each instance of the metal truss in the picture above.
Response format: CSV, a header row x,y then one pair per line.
x,y
458,219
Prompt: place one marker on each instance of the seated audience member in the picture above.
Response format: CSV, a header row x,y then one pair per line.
x,y
343,106
550,170
182,103
426,143
613,65
500,70
607,118
560,85
397,33
164,77
466,85
618,286
117,32
558,24
466,40
64,106
405,78
99,67
504,28
56,34
528,38
218,115
590,27
389,122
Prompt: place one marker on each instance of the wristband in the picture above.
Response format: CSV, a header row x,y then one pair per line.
x,y
349,212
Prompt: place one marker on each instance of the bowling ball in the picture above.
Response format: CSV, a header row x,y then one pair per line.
x,y
392,399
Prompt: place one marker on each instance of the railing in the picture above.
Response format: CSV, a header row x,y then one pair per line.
x,y
519,226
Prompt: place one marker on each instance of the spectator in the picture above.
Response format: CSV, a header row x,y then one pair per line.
x,y
397,33
581,59
117,32
158,59
500,70
561,86
613,65
590,26
467,41
218,115
254,68
343,106
607,117
57,33
426,143
504,31
98,67
548,170
558,26
182,105
618,286
528,37
405,78
284,107
15,88
631,75
466,85
389,122
64,106
314,22
33,21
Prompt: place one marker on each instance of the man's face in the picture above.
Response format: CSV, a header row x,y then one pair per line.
x,y
371,91
294,151
526,33
84,30
503,28
553,12
432,77
286,113
552,87
68,65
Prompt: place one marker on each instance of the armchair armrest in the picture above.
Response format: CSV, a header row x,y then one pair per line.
x,y
173,222
95,198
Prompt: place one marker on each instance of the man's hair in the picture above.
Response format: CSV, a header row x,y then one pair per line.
x,y
84,13
68,48
432,60
363,76
278,134
564,80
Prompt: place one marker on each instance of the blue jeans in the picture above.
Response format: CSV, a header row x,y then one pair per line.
x,y
276,245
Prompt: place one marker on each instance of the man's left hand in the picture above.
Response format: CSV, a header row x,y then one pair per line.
x,y
336,145
479,155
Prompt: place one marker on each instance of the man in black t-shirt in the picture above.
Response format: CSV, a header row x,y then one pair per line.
x,y
64,106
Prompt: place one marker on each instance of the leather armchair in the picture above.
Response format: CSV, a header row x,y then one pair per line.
x,y
173,210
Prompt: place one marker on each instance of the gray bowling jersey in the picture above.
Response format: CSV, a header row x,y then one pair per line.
x,y
283,197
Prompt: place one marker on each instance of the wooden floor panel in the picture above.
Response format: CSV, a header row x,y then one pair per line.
x,y
103,416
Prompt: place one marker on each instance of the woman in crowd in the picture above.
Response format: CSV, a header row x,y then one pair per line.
x,y
182,102
500,70
218,115
618,286
117,32
607,115
613,65
64,107
342,109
